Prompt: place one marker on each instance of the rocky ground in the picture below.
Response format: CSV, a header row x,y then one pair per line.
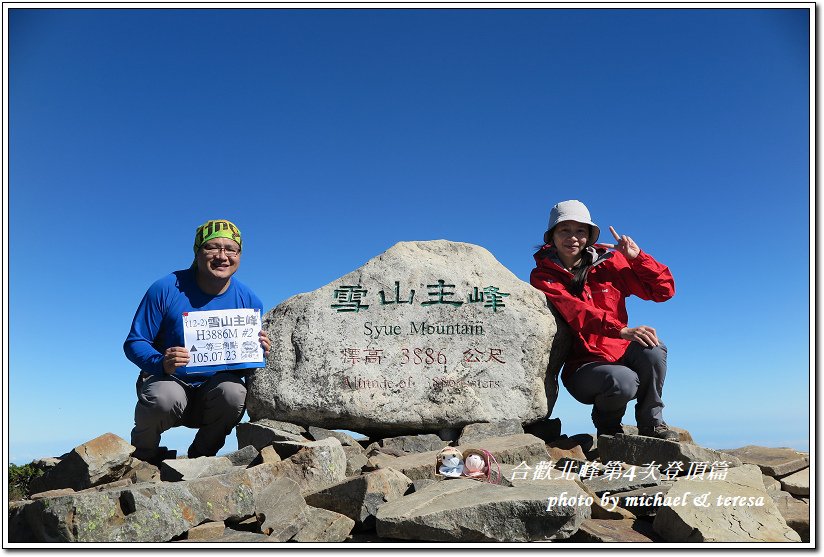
x,y
293,484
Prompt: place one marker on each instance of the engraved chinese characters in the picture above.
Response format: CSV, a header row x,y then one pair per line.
x,y
424,336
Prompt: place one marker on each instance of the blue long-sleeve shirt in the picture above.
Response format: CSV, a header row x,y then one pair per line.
x,y
158,322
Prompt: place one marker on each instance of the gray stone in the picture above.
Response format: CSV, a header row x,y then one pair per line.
x,y
623,481
324,526
261,433
206,531
475,433
413,443
150,512
101,460
594,530
772,461
644,501
418,485
512,449
360,497
608,507
18,527
318,433
281,510
640,450
469,511
342,358
51,493
753,517
797,483
182,469
234,536
356,460
244,456
268,455
316,465
139,471
770,483
797,515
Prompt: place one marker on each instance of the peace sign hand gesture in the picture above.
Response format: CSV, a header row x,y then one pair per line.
x,y
626,245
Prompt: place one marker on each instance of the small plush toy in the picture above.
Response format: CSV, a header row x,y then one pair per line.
x,y
451,462
474,466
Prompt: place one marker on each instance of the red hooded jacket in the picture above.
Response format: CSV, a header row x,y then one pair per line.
x,y
598,315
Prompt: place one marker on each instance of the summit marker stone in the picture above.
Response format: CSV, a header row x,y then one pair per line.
x,y
425,336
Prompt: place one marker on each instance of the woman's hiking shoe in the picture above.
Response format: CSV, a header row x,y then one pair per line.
x,y
660,431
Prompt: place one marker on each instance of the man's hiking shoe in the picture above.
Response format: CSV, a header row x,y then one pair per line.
x,y
660,431
611,430
154,456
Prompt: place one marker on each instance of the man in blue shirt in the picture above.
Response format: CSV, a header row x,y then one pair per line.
x,y
210,398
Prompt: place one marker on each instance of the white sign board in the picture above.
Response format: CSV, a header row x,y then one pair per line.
x,y
222,336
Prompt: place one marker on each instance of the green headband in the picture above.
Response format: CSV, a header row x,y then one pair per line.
x,y
216,229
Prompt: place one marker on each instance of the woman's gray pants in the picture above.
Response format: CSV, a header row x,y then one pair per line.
x,y
163,402
640,374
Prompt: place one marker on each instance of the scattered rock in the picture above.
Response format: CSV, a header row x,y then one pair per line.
x,y
473,434
101,460
797,483
595,530
355,460
52,493
281,510
139,472
770,483
318,433
797,515
324,526
738,509
264,432
134,514
316,465
412,443
182,469
640,450
268,455
470,511
646,500
206,531
773,462
243,456
360,497
623,480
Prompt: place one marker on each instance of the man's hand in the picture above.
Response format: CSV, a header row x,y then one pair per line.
x,y
644,335
173,358
625,245
265,343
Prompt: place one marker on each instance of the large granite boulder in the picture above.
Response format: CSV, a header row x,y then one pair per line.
x,y
425,336
103,459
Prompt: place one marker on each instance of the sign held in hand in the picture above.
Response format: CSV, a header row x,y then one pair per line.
x,y
222,336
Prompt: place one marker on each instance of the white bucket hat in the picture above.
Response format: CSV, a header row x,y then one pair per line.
x,y
572,210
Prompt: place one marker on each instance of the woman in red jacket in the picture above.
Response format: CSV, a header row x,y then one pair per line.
x,y
610,363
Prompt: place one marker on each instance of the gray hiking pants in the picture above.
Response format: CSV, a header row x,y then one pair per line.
x,y
640,374
164,402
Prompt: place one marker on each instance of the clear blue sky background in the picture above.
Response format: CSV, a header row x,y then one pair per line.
x,y
330,135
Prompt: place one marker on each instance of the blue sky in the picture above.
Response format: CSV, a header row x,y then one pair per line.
x,y
329,135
